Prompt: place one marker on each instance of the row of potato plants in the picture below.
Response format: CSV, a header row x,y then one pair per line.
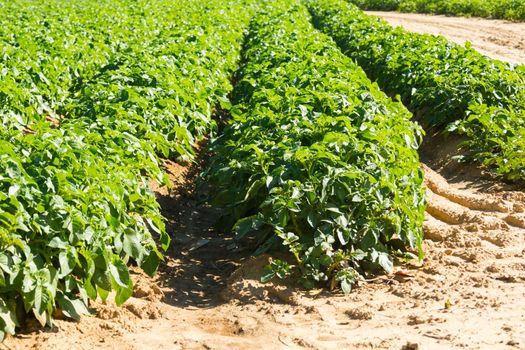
x,y
91,93
316,160
502,9
446,86
159,82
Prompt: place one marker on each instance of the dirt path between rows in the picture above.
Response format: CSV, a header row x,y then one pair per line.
x,y
498,39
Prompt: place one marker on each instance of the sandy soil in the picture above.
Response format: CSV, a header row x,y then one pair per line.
x,y
498,39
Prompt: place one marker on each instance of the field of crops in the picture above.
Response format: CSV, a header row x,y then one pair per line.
x,y
92,95
445,85
308,108
513,10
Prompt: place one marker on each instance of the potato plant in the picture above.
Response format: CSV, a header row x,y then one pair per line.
x,y
316,159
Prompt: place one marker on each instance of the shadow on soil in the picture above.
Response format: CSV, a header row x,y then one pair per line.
x,y
438,152
200,259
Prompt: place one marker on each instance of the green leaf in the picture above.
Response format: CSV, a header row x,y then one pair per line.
x,y
385,261
67,261
247,225
124,294
151,263
72,308
8,319
131,244
119,273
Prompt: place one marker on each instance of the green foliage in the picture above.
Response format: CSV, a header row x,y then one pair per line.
x,y
502,144
91,94
444,84
504,9
316,159
73,214
133,66
378,5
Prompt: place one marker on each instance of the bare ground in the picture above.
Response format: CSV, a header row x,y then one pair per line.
x,y
498,39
